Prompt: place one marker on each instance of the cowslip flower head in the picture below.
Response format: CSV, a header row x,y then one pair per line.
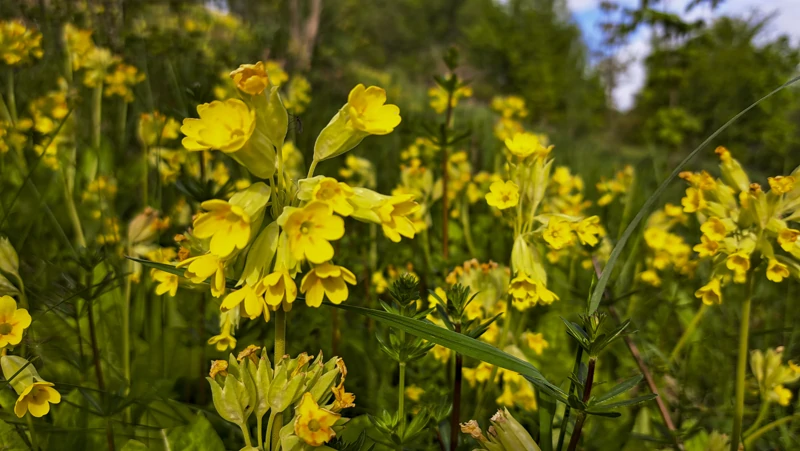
x,y
503,195
227,225
251,78
225,340
167,282
13,322
327,280
535,342
251,297
329,191
739,263
313,424
788,238
777,271
364,114
558,233
18,44
588,229
224,126
310,230
711,293
522,145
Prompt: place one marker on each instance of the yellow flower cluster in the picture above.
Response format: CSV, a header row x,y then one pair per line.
x,y
19,44
512,110
438,97
742,224
612,189
120,81
772,375
666,250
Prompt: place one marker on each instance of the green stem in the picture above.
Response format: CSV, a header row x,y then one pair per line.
x,y
126,335
565,421
762,415
401,401
260,437
741,368
73,212
687,334
32,433
97,115
280,350
145,175
270,422
455,417
311,169
489,385
748,442
4,113
587,394
12,102
465,222
122,124
246,435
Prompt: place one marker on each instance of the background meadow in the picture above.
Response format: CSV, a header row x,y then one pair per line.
x,y
95,169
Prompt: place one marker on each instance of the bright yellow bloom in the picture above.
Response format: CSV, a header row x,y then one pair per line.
x,y
253,299
787,238
526,292
280,288
227,225
36,399
277,75
739,263
120,81
414,393
780,184
156,129
13,322
200,268
314,424
224,126
327,280
79,44
707,247
588,230
782,395
438,97
367,112
523,145
251,78
167,282
19,45
225,340
714,228
694,201
711,293
393,213
558,233
777,271
503,195
535,342
650,277
335,194
310,230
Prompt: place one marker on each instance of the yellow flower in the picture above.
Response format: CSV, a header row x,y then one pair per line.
x,y
413,392
202,267
36,399
79,44
787,238
535,342
367,112
314,424
167,282
441,353
251,78
156,129
777,271
707,247
711,293
739,263
277,75
694,201
227,225
523,145
342,399
310,230
218,367
334,193
13,322
393,213
780,184
379,282
19,45
782,395
588,230
503,195
327,280
714,228
526,292
253,299
225,340
120,81
650,277
438,97
558,233
280,288
224,126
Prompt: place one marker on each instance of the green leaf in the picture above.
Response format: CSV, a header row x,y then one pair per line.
x,y
134,445
462,344
626,403
199,434
547,410
599,289
619,389
10,440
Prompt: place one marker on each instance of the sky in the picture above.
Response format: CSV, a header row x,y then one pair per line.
x,y
588,15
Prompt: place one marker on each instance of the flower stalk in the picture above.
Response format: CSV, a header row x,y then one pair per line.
x,y
741,367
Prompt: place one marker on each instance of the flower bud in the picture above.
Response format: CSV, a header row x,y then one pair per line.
x,y
251,78
233,400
